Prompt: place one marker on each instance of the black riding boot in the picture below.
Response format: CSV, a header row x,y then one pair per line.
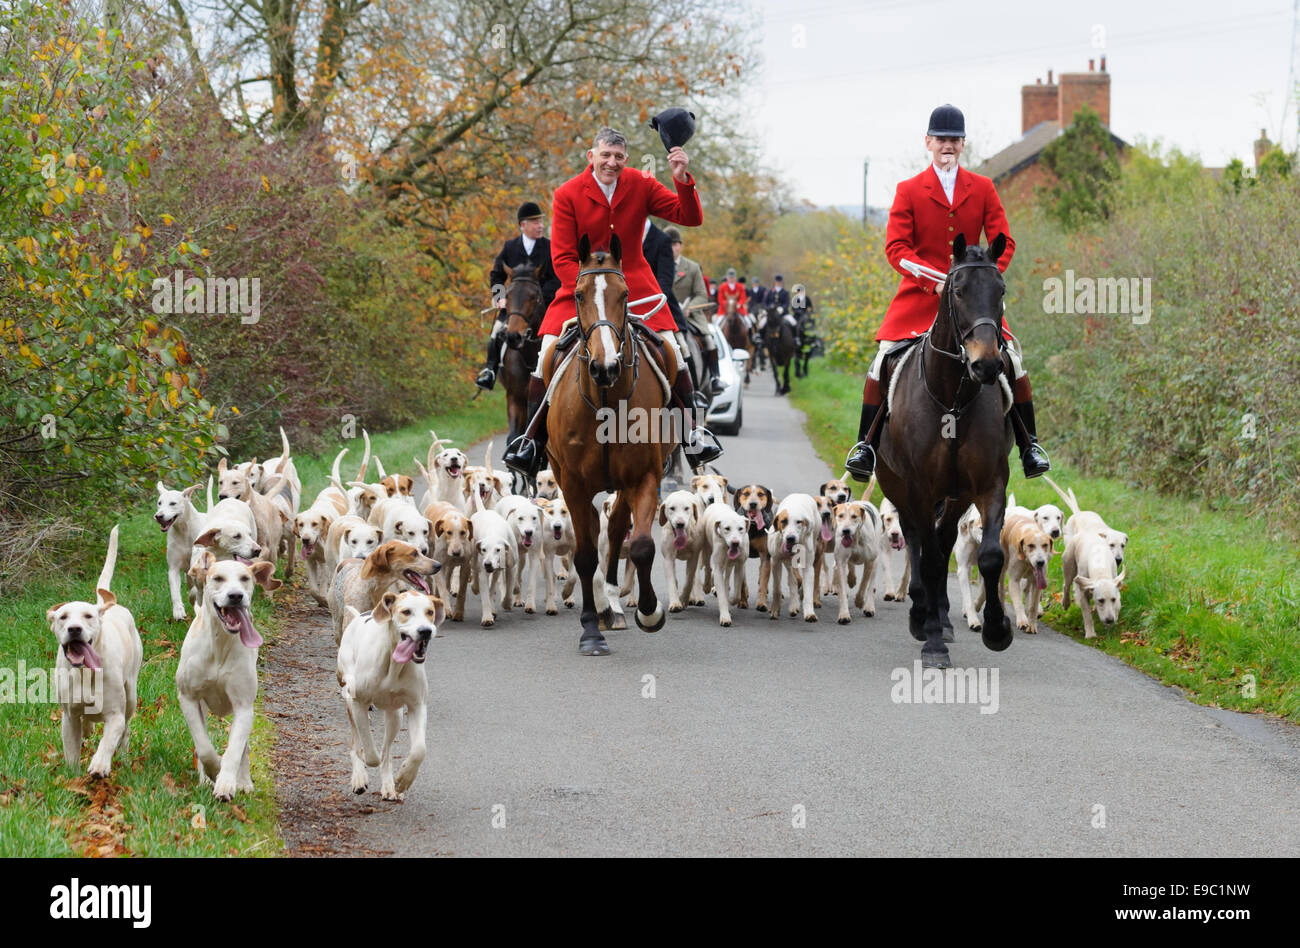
x,y
716,385
861,462
488,376
700,445
1032,456
526,452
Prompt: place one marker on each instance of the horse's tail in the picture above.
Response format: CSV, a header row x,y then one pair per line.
x,y
1068,498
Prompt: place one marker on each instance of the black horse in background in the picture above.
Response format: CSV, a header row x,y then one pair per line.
x,y
778,339
805,335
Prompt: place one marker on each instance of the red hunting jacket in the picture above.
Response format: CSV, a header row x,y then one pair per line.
x,y
579,207
921,228
726,291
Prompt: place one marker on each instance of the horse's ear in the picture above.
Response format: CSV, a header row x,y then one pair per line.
x,y
616,250
584,249
959,248
995,249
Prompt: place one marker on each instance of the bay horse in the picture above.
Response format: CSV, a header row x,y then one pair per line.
x,y
945,446
609,372
524,318
778,337
737,336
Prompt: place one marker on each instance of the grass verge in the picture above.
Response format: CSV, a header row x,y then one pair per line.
x,y
153,804
1211,602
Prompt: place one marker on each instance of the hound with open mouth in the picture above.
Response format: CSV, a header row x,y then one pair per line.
x,y
681,538
892,529
443,470
381,665
857,543
97,667
792,544
755,502
362,583
1026,548
217,671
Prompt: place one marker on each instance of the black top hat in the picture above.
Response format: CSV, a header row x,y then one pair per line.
x,y
778,277
675,127
528,210
947,121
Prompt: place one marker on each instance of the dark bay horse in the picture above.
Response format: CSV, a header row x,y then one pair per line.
x,y
525,312
610,372
737,336
778,338
945,446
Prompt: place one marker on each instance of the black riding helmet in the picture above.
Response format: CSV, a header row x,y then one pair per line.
x,y
947,122
675,127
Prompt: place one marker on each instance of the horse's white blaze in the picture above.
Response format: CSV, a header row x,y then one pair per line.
x,y
606,335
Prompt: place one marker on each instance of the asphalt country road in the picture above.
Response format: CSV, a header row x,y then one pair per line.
x,y
783,738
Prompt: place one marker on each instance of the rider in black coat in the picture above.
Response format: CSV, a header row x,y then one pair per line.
x,y
516,252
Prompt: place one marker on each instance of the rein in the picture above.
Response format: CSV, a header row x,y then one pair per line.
x,y
630,360
958,407
530,337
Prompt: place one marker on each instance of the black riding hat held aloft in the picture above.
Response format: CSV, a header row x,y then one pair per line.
x,y
675,127
947,122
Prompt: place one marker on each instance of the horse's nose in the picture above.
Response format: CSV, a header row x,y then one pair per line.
x,y
985,371
604,375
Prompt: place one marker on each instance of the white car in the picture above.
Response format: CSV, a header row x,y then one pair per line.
x,y
727,415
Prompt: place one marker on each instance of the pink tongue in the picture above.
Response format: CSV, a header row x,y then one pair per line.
x,y
247,634
846,540
1040,577
898,543
404,651
528,541
733,552
758,519
163,527
827,532
87,655
679,537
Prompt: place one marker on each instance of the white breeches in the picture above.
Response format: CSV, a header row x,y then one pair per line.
x,y
1013,351
548,343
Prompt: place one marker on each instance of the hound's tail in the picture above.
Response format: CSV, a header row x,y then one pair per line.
x,y
110,562
209,493
379,468
284,440
1068,498
365,458
334,473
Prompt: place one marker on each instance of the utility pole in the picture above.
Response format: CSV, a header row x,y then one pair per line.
x,y
865,162
1292,100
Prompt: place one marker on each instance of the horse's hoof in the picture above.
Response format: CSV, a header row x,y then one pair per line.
x,y
998,643
596,646
653,622
936,659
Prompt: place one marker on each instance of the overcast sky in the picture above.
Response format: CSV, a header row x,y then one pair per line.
x,y
1203,76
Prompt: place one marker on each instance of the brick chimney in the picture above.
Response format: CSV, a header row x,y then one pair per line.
x,y
1091,88
1038,103
1262,147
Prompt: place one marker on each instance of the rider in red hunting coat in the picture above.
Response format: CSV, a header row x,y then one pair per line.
x,y
729,289
609,198
929,211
